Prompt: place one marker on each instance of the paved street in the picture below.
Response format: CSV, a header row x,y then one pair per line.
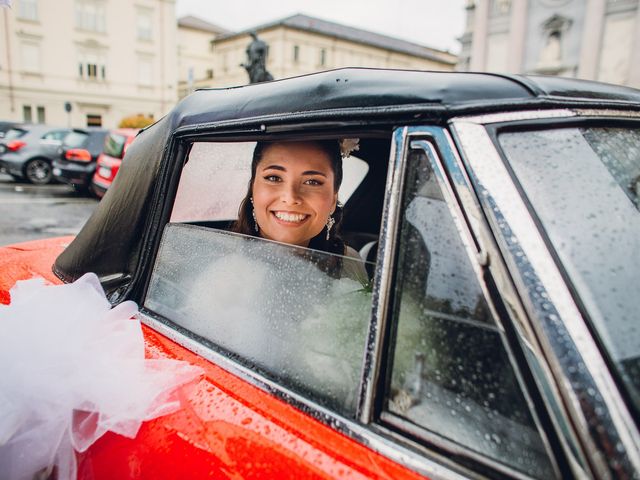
x,y
30,212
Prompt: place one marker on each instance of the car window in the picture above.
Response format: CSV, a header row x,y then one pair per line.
x,y
114,145
584,184
295,315
56,135
214,181
75,139
450,375
13,133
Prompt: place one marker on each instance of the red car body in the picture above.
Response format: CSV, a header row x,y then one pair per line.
x,y
115,147
226,428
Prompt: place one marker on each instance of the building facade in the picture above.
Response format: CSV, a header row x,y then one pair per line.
x,y
301,44
588,39
195,52
87,62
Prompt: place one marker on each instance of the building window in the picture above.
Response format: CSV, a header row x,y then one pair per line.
x,y
91,67
26,113
40,113
323,57
30,57
296,53
144,25
28,10
94,120
145,71
209,72
90,15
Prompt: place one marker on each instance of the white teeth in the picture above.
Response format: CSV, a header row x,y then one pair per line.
x,y
290,217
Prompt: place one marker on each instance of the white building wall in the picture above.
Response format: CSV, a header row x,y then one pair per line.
x,y
52,59
592,39
282,62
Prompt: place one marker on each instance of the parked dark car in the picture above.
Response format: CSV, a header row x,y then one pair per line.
x,y
26,151
497,337
115,147
76,162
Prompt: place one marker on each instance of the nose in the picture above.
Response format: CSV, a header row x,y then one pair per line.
x,y
290,194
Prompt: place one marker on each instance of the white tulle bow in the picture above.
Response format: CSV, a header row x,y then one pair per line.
x,y
73,368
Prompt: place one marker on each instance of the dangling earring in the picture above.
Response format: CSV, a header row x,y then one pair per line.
x,y
253,213
330,222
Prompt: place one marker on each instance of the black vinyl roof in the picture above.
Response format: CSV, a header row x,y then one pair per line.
x,y
115,241
365,91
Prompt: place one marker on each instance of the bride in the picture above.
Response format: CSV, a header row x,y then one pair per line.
x,y
293,198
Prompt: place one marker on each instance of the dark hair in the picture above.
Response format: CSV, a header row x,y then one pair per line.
x,y
245,223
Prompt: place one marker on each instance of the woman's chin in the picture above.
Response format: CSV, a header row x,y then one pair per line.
x,y
289,237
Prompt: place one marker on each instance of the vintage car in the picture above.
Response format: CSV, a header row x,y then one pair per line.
x,y
497,335
26,152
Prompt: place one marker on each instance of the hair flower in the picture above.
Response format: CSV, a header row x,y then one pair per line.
x,y
348,145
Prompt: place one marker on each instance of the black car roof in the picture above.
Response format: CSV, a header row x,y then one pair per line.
x,y
364,91
111,244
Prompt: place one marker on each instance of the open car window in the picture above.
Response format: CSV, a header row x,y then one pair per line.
x,y
225,168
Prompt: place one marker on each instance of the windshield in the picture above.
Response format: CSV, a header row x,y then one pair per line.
x,y
114,145
584,185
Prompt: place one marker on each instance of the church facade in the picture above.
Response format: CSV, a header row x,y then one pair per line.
x,y
589,39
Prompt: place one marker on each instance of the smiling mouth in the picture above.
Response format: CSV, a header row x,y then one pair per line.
x,y
290,217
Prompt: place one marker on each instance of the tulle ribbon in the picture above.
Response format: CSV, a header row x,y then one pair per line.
x,y
73,368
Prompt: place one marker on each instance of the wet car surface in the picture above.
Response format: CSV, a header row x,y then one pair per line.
x,y
495,336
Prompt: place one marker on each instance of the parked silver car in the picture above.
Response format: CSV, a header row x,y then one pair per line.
x,y
26,151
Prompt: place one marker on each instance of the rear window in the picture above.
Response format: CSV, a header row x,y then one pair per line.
x,y
114,145
14,133
75,139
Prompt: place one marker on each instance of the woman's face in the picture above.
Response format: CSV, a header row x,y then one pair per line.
x,y
293,192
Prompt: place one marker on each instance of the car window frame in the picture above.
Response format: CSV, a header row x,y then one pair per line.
x,y
560,345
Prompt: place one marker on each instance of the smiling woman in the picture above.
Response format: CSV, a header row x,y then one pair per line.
x,y
293,194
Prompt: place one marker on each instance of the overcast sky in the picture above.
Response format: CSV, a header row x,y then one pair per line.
x,y
434,23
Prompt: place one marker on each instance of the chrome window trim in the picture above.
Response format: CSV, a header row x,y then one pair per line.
x,y
514,116
560,328
374,439
383,275
489,118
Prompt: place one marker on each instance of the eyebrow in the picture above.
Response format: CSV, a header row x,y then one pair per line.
x,y
282,169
